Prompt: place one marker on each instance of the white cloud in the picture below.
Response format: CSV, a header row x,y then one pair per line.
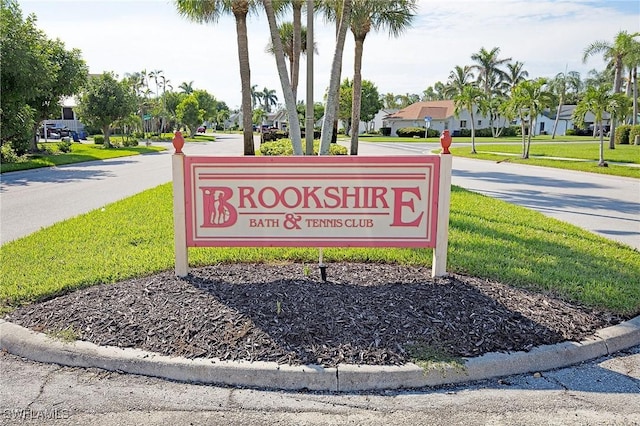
x,y
128,36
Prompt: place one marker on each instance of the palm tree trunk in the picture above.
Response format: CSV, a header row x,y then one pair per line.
x,y
634,120
297,46
473,132
331,107
555,123
356,95
245,78
290,101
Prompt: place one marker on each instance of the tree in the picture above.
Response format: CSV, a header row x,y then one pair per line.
x,y
599,100
489,78
459,78
470,97
331,107
104,101
286,31
515,74
269,97
190,114
389,101
560,86
186,88
255,96
209,12
369,106
289,98
36,74
530,98
395,16
616,54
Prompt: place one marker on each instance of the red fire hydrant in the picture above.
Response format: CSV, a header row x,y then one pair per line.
x,y
445,141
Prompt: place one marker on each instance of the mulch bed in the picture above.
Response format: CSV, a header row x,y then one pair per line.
x,y
364,314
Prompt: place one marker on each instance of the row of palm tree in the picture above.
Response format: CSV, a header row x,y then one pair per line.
x,y
288,42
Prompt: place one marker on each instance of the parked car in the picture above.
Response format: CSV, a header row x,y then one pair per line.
x,y
202,129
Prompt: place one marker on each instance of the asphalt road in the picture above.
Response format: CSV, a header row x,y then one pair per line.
x,y
602,392
609,206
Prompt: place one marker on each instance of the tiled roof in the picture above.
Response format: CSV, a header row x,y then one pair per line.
x,y
437,110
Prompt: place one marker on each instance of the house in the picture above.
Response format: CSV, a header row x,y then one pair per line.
x,y
67,118
546,120
439,115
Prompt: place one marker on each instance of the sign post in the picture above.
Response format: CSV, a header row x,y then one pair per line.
x,y
427,124
439,263
179,215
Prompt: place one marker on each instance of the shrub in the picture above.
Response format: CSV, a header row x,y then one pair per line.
x,y
130,142
64,146
98,140
284,147
622,134
7,153
409,132
635,131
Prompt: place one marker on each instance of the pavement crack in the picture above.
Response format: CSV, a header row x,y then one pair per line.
x,y
44,383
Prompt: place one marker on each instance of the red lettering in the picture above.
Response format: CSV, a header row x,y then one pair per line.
x,y
246,193
400,202
311,193
379,193
333,193
296,193
274,192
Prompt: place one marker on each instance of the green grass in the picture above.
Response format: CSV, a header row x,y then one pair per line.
x,y
79,153
488,238
586,156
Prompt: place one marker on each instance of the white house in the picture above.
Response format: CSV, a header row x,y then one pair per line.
x,y
440,115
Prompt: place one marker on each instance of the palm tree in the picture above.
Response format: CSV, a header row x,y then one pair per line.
x,y
269,97
515,74
331,107
559,86
289,99
632,62
470,97
209,11
287,32
256,96
395,16
531,97
598,100
616,54
389,101
459,78
489,78
186,88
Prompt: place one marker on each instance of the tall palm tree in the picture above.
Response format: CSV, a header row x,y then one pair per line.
x,y
616,54
470,98
209,11
515,74
598,100
632,62
186,88
256,96
287,32
531,97
395,16
289,99
458,79
489,78
560,86
269,97
331,107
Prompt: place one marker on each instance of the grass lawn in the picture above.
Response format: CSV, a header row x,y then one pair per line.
x,y
79,152
488,238
542,154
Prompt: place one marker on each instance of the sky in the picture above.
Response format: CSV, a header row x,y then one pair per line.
x,y
126,36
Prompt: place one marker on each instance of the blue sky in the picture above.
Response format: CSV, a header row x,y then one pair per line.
x,y
123,36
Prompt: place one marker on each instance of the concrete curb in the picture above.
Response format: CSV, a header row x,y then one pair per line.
x,y
35,346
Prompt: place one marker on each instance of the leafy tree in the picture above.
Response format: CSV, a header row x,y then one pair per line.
x,y
389,101
599,100
209,12
369,106
36,75
395,16
258,116
104,101
434,93
190,114
207,103
616,53
470,98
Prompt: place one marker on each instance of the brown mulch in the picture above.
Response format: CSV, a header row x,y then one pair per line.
x,y
364,314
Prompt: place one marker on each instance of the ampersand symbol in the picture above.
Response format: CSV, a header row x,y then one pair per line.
x,y
291,221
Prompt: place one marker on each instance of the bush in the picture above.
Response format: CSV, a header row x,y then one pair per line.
x,y
7,153
98,140
64,146
622,134
130,142
284,147
409,132
635,131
